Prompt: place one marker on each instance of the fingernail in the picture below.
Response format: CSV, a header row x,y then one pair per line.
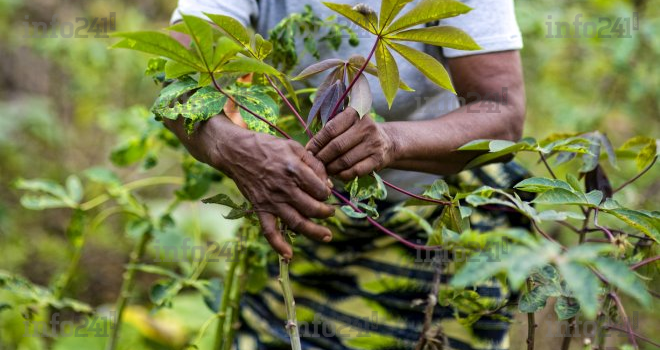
x,y
327,238
330,184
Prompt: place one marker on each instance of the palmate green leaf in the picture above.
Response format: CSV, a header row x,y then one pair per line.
x,y
175,69
256,99
426,64
248,65
566,307
445,36
261,47
388,11
225,49
639,220
352,213
201,34
541,184
74,188
364,20
172,92
534,300
202,105
232,28
437,190
367,187
159,44
564,196
647,150
428,11
583,284
388,72
357,61
620,275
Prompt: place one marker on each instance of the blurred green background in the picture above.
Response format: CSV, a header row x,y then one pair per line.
x,y
66,102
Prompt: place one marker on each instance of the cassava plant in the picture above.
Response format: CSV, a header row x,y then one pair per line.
x,y
613,243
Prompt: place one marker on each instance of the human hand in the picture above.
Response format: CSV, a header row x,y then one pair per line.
x,y
281,179
350,146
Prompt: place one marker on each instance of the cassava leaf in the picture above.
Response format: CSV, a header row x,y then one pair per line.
x,y
158,44
445,36
225,49
388,72
175,69
355,62
360,97
248,65
363,20
232,28
202,105
319,67
388,11
256,99
169,94
620,275
426,64
584,286
201,34
427,11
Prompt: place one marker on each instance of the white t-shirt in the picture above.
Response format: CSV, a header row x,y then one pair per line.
x,y
491,23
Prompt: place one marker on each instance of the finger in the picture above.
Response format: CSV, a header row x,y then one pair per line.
x,y
273,235
332,129
317,167
309,181
303,226
362,168
310,207
338,146
349,159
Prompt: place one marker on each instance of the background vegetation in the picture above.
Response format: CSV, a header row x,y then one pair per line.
x,y
66,102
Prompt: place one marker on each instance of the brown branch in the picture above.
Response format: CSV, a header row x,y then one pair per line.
x,y
636,176
622,310
645,262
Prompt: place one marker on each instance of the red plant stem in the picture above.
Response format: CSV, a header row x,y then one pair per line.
x,y
217,87
645,262
631,334
545,235
410,194
602,228
355,78
291,107
635,334
383,229
636,176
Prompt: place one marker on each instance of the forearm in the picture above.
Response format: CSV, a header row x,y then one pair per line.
x,y
210,140
431,145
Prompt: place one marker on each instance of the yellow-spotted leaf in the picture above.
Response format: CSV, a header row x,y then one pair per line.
x,y
445,36
426,64
388,72
428,11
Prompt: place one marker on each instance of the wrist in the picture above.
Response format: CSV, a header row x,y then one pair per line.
x,y
395,145
217,139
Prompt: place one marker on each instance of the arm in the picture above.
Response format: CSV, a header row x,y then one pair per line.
x,y
351,147
279,177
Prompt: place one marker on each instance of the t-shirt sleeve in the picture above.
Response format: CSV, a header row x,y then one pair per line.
x,y
242,10
491,23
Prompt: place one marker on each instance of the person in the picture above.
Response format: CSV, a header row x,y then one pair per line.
x,y
357,288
